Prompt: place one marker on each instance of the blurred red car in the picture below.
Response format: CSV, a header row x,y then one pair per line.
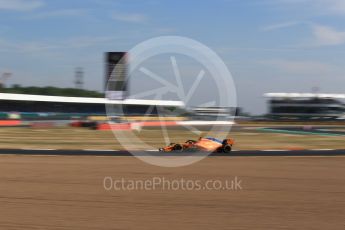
x,y
208,144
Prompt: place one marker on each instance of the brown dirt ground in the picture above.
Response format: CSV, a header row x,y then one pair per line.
x,y
66,192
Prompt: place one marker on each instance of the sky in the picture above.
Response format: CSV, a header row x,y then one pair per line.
x,y
268,45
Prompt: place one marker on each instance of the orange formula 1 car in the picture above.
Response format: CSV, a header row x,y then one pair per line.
x,y
208,144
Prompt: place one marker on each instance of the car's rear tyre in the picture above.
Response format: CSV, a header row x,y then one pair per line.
x,y
227,148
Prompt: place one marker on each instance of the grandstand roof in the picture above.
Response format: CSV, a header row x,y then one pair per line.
x,y
90,100
305,95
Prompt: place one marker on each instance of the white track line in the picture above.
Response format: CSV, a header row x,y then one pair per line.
x,y
38,149
274,150
101,150
322,149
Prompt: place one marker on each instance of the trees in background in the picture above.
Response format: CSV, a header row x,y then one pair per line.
x,y
52,91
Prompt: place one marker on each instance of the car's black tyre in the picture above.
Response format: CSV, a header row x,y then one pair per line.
x,y
227,148
178,147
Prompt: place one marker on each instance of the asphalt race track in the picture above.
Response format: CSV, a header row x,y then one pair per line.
x,y
248,153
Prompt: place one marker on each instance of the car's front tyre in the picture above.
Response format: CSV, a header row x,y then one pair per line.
x,y
227,148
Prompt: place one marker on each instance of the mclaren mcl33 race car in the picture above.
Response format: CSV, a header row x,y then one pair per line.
x,y
208,144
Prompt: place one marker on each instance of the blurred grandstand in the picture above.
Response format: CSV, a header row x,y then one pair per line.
x,y
306,106
214,113
51,103
31,107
